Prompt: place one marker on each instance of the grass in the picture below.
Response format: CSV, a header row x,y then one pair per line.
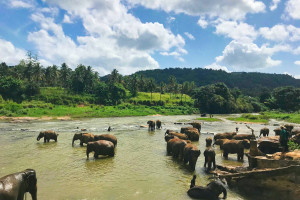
x,y
264,117
209,119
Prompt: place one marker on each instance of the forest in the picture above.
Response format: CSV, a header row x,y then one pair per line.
x,y
196,90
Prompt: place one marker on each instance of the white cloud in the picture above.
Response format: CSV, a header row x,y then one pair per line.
x,y
10,54
274,5
239,31
190,36
297,76
215,66
297,62
292,9
248,56
67,19
21,3
233,9
297,50
114,39
276,33
202,22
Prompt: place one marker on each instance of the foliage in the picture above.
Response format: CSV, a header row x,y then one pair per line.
x,y
251,118
293,146
287,98
11,88
209,119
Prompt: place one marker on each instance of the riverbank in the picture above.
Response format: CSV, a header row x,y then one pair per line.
x,y
59,112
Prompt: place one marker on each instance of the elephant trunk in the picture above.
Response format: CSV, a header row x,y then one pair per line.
x,y
73,140
34,194
38,138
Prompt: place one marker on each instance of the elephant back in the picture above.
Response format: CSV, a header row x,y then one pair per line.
x,y
87,137
233,146
179,135
107,137
192,133
243,136
277,131
226,135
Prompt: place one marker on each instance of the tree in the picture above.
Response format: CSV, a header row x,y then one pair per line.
x,y
162,87
152,86
172,83
118,93
133,85
11,88
287,98
65,75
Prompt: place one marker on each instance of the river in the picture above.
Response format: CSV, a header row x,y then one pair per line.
x,y
140,169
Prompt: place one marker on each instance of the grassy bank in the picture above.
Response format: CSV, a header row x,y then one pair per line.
x,y
264,117
39,109
209,119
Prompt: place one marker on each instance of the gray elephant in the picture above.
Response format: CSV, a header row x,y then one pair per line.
x,y
227,135
210,192
14,186
158,124
179,135
234,146
151,125
196,125
190,155
108,137
100,147
264,131
209,154
243,136
83,137
47,135
192,133
175,147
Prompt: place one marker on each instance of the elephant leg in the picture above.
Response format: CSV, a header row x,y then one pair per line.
x,y
225,154
214,163
48,140
81,143
45,140
205,161
55,139
95,155
209,166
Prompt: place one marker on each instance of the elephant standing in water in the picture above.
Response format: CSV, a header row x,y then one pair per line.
x,y
264,131
14,186
100,147
83,137
210,192
151,125
190,155
107,137
47,135
209,154
158,124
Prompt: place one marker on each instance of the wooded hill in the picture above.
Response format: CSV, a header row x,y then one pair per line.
x,y
249,83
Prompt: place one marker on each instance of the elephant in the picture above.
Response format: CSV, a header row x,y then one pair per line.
x,y
14,186
296,138
295,131
196,125
158,124
108,137
264,131
192,133
243,136
289,127
227,135
210,192
210,158
83,137
277,131
47,135
190,155
179,135
221,142
208,141
176,146
151,125
234,146
269,145
100,147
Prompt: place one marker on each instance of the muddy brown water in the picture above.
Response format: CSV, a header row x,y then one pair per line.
x,y
140,169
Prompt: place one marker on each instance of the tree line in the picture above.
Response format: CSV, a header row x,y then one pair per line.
x,y
24,80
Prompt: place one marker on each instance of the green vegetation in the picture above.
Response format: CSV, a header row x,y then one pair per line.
x,y
264,117
293,146
209,119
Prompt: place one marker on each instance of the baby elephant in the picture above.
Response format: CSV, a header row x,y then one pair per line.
x,y
47,135
100,147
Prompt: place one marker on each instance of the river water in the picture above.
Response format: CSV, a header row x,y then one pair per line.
x,y
140,169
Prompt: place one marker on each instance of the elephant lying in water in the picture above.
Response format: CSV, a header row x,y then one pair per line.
x,y
47,135
100,147
14,186
210,192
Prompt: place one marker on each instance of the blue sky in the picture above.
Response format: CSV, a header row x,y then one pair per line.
x,y
132,35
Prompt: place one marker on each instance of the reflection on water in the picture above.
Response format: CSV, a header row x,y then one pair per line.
x,y
140,169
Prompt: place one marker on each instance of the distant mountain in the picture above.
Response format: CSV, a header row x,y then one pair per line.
x,y
243,80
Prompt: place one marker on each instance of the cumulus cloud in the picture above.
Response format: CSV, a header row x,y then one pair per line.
x,y
297,62
202,22
21,3
292,9
276,33
234,9
10,54
215,66
115,38
238,31
274,5
190,36
248,56
67,19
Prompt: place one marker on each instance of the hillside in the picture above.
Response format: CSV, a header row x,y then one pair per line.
x,y
241,80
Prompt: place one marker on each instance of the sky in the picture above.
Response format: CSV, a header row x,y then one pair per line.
x,y
132,35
